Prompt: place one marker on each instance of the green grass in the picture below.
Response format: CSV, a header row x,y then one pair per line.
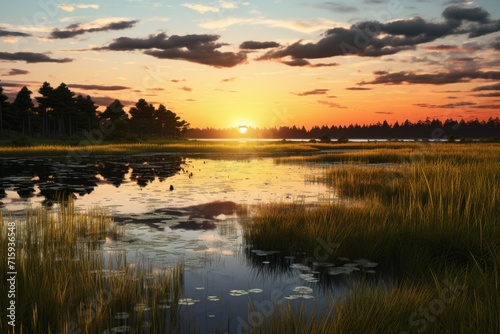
x,y
63,279
429,219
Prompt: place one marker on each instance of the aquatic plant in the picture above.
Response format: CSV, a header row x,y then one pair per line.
x,y
67,283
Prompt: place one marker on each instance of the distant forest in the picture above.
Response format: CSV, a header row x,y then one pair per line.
x,y
428,129
58,113
61,114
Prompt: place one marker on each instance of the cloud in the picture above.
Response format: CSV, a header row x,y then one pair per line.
x,y
330,104
201,8
302,26
358,88
201,49
446,106
487,87
76,29
305,63
459,13
313,92
228,79
337,7
187,89
384,112
71,7
496,44
16,71
376,39
441,47
492,94
487,106
31,57
442,78
98,87
253,45
7,33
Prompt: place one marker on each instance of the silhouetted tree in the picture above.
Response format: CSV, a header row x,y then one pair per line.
x,y
23,106
45,106
142,117
3,99
64,109
86,112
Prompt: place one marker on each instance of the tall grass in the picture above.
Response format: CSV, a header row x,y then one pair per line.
x,y
222,147
428,220
66,283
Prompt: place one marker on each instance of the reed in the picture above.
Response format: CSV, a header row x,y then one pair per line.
x,y
67,283
429,220
236,147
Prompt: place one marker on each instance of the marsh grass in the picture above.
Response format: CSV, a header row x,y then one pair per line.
x,y
67,283
223,147
425,220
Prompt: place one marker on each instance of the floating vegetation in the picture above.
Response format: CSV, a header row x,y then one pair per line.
x,y
188,301
255,290
238,293
301,292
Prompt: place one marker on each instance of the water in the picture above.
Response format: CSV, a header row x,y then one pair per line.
x,y
223,274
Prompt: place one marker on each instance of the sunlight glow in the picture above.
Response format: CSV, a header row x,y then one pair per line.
x,y
243,129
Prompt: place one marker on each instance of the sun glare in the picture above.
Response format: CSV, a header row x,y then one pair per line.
x,y
243,129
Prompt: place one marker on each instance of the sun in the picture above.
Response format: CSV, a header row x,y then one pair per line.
x,y
243,129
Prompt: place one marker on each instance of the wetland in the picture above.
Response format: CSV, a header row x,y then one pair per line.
x,y
313,238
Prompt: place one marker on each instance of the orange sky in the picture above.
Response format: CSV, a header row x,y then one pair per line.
x,y
265,64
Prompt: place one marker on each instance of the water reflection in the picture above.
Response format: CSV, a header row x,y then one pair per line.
x,y
56,180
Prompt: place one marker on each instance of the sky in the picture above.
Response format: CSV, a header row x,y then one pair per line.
x,y
226,63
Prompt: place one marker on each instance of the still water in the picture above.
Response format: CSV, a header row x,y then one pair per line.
x,y
227,285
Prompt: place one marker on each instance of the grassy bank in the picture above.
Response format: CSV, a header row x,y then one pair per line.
x,y
67,284
430,220
221,147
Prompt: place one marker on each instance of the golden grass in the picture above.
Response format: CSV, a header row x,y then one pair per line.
x,y
65,282
431,220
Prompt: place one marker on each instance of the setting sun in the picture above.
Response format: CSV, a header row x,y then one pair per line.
x,y
243,129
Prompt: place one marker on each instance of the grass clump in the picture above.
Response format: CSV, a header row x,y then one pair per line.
x,y
427,222
67,283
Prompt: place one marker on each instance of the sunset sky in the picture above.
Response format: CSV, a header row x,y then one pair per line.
x,y
226,63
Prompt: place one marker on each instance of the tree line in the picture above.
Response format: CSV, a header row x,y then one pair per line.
x,y
426,129
60,113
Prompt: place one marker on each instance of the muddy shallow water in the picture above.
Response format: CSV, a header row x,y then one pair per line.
x,y
223,274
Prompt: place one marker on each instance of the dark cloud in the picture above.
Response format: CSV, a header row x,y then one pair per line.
x,y
487,87
98,87
442,78
187,89
304,63
492,94
375,39
6,33
384,112
446,106
228,79
496,44
337,7
201,49
487,106
75,30
252,45
16,71
441,47
11,84
313,92
358,88
459,13
31,57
